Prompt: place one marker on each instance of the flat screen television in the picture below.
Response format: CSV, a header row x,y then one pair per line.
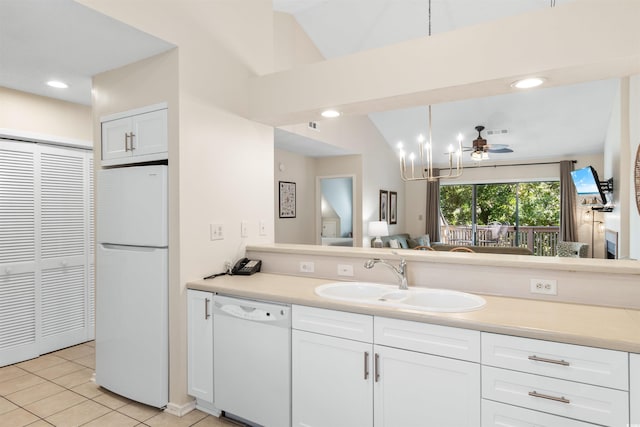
x,y
587,183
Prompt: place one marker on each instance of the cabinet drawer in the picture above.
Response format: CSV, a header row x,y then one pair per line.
x,y
340,324
583,402
444,341
496,414
590,365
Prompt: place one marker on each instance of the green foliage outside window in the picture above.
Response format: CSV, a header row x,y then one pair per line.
x,y
538,203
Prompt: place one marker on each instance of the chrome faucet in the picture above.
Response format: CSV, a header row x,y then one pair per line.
x,y
400,271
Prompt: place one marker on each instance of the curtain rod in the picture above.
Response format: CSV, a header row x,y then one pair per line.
x,y
518,164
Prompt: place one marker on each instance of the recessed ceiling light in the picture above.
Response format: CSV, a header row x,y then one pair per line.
x,y
57,84
330,114
528,83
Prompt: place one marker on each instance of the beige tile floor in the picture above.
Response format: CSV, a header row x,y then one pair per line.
x,y
56,389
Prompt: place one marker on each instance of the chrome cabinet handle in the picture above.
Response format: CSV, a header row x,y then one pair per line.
x,y
126,142
206,308
546,396
555,362
376,367
366,365
131,135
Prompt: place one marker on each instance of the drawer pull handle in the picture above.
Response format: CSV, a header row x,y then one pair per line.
x,y
542,359
366,365
546,396
376,367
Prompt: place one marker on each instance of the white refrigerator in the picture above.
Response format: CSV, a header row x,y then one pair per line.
x,y
132,352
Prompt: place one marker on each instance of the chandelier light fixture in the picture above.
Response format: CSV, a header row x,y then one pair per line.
x,y
425,164
425,150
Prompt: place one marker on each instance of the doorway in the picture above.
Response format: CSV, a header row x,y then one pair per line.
x,y
334,216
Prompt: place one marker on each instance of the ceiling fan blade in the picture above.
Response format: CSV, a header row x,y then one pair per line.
x,y
497,146
500,150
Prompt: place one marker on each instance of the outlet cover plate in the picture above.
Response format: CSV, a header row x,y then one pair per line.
x,y
307,267
345,270
544,286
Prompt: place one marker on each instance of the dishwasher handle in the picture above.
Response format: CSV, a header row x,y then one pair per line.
x,y
255,311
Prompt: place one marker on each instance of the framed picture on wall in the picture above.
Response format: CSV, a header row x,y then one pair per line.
x,y
287,199
393,207
384,205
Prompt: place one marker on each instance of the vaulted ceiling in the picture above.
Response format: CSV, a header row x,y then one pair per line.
x,y
539,123
61,39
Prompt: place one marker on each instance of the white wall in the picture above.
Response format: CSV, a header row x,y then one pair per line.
x,y
354,134
380,171
292,46
300,169
27,113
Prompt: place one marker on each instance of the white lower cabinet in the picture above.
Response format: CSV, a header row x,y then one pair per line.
x,y
339,381
634,389
200,347
569,382
416,389
599,405
359,370
332,383
495,414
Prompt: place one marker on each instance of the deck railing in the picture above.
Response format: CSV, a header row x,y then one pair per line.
x,y
542,241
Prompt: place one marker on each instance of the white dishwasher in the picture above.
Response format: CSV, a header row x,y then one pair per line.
x,y
252,360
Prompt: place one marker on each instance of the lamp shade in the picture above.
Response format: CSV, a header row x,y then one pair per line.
x,y
378,228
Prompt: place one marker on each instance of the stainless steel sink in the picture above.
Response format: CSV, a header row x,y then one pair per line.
x,y
414,298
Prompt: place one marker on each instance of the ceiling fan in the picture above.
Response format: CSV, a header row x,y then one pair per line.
x,y
480,149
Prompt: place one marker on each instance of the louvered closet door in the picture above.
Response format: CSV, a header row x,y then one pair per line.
x,y
91,250
63,207
17,253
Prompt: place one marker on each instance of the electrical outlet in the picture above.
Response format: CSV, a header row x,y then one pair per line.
x,y
544,286
307,267
345,270
216,231
244,229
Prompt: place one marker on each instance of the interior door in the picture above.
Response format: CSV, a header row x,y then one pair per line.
x,y
18,253
63,248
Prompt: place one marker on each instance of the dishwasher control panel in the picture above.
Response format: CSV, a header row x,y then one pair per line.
x,y
256,311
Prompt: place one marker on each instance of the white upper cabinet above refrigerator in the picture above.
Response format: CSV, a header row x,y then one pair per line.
x,y
132,206
135,136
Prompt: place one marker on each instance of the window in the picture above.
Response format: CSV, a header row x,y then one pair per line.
x,y
515,214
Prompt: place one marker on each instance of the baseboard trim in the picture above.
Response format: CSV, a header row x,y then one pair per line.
x,y
180,410
208,408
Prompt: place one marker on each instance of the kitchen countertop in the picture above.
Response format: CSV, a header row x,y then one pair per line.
x,y
588,325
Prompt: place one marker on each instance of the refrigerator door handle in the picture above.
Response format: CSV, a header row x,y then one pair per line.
x,y
114,247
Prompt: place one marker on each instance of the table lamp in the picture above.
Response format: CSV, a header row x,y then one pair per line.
x,y
378,229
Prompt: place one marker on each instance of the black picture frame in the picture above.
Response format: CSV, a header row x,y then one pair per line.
x,y
393,207
287,199
384,205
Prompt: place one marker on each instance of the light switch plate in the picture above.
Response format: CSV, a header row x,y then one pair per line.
x,y
216,231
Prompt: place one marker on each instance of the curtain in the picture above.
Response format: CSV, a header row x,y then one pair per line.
x,y
568,227
433,208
